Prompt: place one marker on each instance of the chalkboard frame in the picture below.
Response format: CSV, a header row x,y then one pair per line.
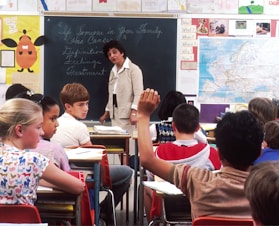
x,y
149,42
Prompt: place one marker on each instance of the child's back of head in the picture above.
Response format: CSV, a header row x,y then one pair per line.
x,y
263,109
239,138
271,134
186,118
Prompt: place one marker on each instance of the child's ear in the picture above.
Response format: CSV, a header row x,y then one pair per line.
x,y
18,130
173,127
264,144
67,106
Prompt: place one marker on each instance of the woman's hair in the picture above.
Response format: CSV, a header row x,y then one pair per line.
x,y
262,190
169,103
113,44
239,138
17,111
72,93
263,109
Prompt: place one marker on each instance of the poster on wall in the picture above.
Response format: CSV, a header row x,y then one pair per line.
x,y
8,5
154,5
76,5
212,6
20,36
104,5
131,5
251,7
271,7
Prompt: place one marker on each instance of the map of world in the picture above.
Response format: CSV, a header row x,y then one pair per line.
x,y
234,70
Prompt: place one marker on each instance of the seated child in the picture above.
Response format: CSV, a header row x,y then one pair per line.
x,y
270,150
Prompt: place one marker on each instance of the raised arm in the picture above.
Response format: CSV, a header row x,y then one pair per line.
x,y
149,101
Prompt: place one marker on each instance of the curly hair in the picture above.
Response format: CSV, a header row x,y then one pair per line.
x,y
239,138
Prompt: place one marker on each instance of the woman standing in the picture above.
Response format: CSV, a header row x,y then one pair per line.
x,y
124,87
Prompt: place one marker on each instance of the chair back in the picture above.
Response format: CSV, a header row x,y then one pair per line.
x,y
19,213
212,221
176,209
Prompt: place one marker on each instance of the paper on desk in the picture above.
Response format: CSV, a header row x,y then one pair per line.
x,y
108,130
43,188
164,187
84,153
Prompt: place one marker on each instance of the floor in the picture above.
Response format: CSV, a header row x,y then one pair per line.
x,y
121,213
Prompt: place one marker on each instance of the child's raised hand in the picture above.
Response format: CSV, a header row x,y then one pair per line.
x,y
148,102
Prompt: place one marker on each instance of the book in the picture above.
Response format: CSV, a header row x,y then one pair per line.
x,y
107,130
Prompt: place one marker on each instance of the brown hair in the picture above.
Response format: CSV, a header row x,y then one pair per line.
x,y
271,134
263,109
72,93
262,190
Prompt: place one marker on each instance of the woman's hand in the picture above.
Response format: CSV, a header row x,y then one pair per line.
x,y
133,117
104,117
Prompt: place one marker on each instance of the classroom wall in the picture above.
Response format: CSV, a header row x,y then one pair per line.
x,y
205,76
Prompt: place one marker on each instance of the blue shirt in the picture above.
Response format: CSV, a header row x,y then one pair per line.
x,y
268,154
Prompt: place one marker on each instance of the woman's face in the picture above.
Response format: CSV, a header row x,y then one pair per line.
x,y
31,134
50,121
115,56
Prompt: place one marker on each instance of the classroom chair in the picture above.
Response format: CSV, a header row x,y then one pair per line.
x,y
19,213
105,177
176,210
215,221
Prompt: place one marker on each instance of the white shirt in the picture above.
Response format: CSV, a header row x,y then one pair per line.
x,y
70,132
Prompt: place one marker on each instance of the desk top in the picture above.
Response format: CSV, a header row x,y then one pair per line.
x,y
107,130
208,126
164,187
84,154
108,136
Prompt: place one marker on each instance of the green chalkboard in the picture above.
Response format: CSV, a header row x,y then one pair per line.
x,y
73,53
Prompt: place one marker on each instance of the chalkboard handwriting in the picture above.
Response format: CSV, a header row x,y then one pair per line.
x,y
75,52
84,35
142,29
81,61
83,45
71,71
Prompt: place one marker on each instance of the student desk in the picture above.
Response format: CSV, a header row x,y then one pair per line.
x,y
56,205
176,207
115,144
86,157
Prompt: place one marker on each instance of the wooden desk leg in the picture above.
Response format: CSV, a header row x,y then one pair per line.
x,y
96,191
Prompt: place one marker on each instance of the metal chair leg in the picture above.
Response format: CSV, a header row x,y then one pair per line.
x,y
112,203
